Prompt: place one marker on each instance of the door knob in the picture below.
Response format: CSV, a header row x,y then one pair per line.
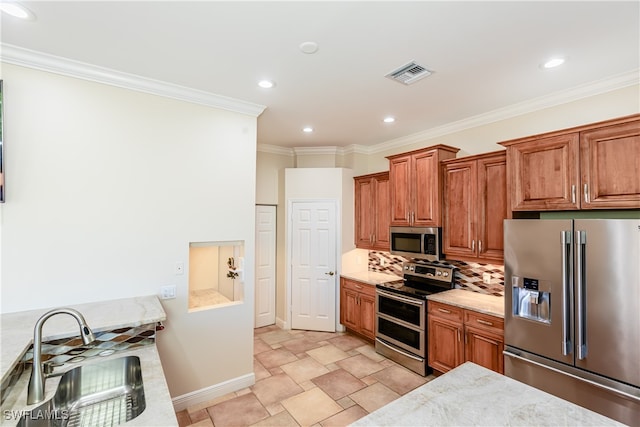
x,y
331,273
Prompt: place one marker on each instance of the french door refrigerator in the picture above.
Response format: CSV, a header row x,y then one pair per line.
x,y
572,311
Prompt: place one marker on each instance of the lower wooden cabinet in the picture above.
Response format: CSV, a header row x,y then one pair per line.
x,y
358,307
458,335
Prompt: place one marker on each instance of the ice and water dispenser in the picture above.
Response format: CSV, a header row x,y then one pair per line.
x,y
531,298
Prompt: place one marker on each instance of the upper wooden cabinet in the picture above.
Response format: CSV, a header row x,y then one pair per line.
x,y
416,186
474,207
590,167
372,211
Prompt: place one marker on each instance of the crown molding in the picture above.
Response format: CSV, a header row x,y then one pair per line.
x,y
275,149
309,151
54,64
597,87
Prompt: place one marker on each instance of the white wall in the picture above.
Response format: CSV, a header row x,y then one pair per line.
x,y
106,187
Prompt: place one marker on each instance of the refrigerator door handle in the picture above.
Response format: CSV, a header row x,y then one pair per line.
x,y
567,271
581,241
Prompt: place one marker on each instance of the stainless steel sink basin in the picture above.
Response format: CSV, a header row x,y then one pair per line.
x,y
106,394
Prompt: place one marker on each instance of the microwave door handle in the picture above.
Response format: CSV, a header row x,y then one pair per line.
x,y
581,241
566,292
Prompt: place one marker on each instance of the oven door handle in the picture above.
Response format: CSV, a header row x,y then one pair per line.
x,y
419,359
399,298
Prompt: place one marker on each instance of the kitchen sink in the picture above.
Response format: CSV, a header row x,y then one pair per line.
x,y
105,394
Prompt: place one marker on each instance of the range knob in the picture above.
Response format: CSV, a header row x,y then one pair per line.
x,y
445,274
439,273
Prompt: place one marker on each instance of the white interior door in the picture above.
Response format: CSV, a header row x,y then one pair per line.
x,y
313,266
265,291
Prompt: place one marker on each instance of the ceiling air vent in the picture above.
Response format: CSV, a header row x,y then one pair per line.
x,y
409,73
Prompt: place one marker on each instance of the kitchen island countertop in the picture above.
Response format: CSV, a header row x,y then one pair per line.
x,y
471,395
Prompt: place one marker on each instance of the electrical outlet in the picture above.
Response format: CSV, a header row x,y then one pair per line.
x,y
486,278
168,292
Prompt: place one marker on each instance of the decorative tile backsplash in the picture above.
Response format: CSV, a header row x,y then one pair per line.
x,y
468,275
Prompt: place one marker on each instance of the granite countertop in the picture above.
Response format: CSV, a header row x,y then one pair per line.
x,y
487,304
16,335
371,277
471,395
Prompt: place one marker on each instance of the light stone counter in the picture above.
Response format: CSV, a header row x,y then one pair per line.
x,y
488,304
16,335
371,277
16,331
471,395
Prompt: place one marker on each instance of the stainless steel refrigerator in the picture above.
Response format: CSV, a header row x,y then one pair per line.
x,y
572,311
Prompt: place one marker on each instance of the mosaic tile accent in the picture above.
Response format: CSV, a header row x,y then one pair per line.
x,y
468,275
71,349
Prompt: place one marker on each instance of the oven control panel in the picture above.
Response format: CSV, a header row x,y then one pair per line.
x,y
429,271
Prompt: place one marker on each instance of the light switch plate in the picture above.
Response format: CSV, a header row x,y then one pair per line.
x,y
168,292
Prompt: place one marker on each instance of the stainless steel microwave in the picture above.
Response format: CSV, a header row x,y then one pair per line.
x,y
417,242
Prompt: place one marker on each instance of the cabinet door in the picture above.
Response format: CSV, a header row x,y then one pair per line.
x,y
350,314
426,197
484,349
364,212
400,180
459,222
491,207
610,165
545,174
368,315
445,350
382,213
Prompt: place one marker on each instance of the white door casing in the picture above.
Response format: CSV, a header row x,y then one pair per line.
x,y
265,289
313,265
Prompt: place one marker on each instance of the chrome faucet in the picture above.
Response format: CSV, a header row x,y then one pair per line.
x,y
35,392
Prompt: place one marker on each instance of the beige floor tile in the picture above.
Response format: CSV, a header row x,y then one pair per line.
x,y
203,423
346,402
373,397
360,366
311,407
347,342
307,385
304,370
198,416
370,352
183,418
243,391
259,346
274,409
241,411
265,329
338,384
327,354
345,417
399,379
282,419
275,337
275,389
209,403
300,344
274,358
369,379
260,371
319,336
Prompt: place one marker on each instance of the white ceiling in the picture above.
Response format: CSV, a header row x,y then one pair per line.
x,y
485,55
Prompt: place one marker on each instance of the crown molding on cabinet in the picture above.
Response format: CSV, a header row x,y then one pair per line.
x,y
310,151
275,149
54,64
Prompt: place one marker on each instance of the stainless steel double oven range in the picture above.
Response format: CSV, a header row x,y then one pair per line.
x,y
401,313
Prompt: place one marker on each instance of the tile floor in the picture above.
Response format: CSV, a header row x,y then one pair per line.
x,y
306,378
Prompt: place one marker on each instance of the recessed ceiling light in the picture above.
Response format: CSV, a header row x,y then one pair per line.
x,y
553,62
389,119
309,47
266,84
17,10
307,129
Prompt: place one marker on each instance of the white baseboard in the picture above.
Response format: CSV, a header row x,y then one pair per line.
x,y
209,393
282,323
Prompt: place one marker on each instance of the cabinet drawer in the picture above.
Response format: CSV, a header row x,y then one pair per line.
x,y
484,321
360,287
445,311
